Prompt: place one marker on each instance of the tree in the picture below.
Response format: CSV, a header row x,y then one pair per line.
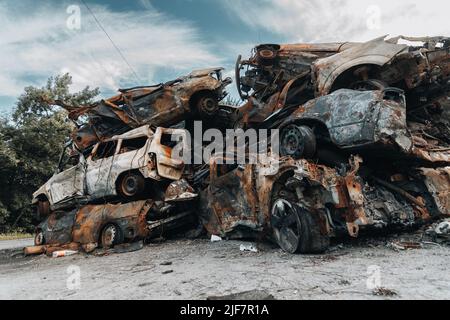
x,y
30,146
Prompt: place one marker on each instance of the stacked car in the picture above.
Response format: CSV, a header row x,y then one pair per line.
x,y
363,136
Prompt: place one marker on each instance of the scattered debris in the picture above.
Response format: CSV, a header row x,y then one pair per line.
x,y
248,247
215,238
384,292
129,247
443,228
253,295
399,245
63,253
167,272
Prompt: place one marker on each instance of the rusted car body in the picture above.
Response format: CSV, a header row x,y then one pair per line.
x,y
300,204
106,225
366,122
120,166
196,95
284,75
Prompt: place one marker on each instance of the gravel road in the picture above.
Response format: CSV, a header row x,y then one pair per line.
x,y
198,269
11,244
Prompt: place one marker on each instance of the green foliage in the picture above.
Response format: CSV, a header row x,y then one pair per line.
x,y
39,102
30,146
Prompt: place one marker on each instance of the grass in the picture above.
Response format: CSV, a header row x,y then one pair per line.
x,y
15,236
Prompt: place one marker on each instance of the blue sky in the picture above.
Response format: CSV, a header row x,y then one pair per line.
x,y
163,39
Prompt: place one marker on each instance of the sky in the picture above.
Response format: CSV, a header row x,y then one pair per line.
x,y
164,39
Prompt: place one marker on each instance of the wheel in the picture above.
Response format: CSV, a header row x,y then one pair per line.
x,y
266,54
208,105
43,209
297,230
131,185
111,235
298,142
39,238
369,85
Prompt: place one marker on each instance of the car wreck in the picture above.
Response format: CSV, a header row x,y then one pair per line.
x,y
301,205
364,145
278,76
195,96
123,166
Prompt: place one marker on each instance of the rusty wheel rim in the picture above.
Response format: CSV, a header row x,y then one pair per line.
x,y
109,235
292,142
286,225
130,186
39,239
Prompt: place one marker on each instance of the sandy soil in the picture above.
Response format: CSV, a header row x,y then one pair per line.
x,y
198,269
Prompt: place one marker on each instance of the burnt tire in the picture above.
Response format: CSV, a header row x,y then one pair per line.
x,y
39,239
42,209
207,105
297,230
111,235
368,85
298,142
131,185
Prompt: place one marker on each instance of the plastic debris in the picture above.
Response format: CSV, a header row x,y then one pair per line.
x,y
215,238
248,247
63,253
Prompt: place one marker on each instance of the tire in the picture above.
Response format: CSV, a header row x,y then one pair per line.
x,y
131,185
368,85
43,209
39,239
111,235
296,230
298,142
207,105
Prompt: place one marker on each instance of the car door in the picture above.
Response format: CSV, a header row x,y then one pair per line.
x,y
230,200
68,184
170,155
98,171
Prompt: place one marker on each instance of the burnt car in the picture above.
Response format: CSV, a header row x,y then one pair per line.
x,y
124,167
107,225
373,123
196,96
284,75
301,205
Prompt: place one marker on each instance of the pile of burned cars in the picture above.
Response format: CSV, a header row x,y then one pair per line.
x,y
364,144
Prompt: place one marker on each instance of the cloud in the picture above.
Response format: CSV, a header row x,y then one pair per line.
x,y
36,43
342,20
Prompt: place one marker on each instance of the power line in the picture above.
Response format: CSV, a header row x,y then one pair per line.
x,y
112,42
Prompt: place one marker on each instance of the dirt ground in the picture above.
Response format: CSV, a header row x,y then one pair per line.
x,y
198,269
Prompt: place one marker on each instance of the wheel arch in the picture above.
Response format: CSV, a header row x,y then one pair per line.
x,y
122,174
313,123
331,82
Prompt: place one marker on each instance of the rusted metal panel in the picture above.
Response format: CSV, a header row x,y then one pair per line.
x,y
375,52
161,105
131,218
438,184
